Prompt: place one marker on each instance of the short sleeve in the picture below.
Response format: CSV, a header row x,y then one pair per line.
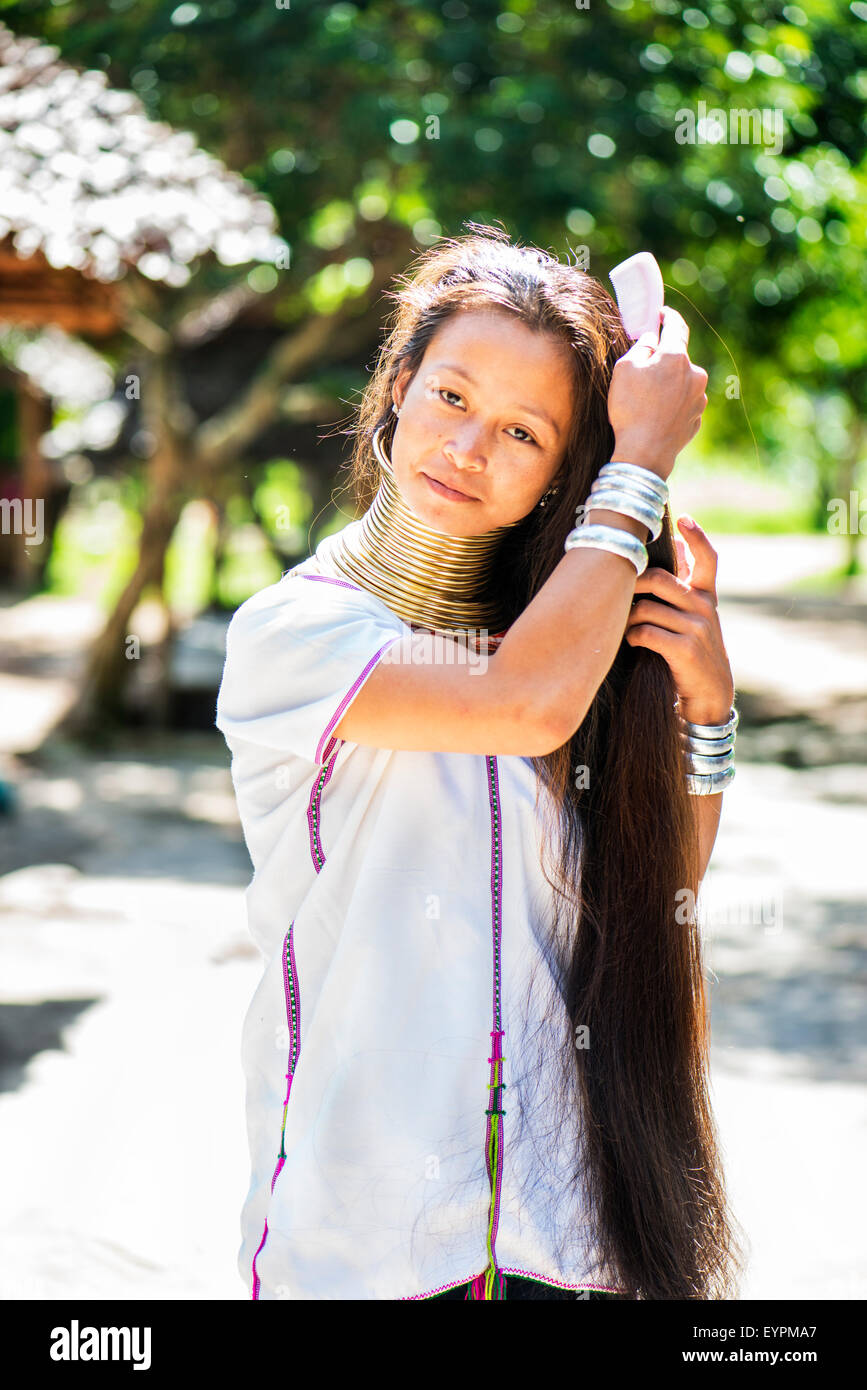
x,y
297,655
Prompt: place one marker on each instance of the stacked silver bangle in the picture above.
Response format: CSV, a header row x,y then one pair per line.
x,y
633,491
711,752
610,538
641,494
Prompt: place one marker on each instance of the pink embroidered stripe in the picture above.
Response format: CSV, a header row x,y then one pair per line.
x,y
293,1019
559,1284
524,1273
320,782
326,579
490,1284
349,696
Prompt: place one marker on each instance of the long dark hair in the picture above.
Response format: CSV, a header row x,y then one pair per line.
x,y
621,842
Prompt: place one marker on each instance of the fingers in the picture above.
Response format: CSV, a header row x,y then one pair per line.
x,y
646,612
704,557
681,592
668,644
674,334
668,587
683,564
643,346
656,393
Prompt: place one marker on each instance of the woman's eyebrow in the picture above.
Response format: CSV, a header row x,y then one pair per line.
x,y
524,409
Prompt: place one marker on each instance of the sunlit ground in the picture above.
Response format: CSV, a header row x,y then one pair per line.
x,y
127,967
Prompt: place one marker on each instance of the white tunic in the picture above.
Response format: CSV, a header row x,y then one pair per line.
x,y
400,907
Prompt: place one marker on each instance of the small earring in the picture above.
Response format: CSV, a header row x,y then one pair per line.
x,y
394,408
552,492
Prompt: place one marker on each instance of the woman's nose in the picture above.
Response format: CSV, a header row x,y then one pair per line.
x,y
468,445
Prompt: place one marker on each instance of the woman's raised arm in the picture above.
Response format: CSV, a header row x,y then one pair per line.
x,y
533,693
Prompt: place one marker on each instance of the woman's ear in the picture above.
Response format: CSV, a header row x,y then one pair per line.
x,y
400,386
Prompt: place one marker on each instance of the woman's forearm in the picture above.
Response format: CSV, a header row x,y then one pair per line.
x,y
708,810
564,642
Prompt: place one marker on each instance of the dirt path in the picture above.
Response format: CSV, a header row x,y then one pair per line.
x,y
126,971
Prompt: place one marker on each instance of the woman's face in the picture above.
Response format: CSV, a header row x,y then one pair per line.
x,y
486,415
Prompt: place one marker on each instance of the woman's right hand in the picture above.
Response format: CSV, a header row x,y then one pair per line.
x,y
656,397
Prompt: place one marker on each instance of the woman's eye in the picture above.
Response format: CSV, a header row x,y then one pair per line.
x,y
446,391
529,439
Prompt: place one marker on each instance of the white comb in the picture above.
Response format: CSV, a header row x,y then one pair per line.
x,y
640,295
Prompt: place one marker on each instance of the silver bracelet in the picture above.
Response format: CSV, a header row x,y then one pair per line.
x,y
712,746
708,784
700,762
710,751
636,475
632,491
613,499
713,731
606,480
611,538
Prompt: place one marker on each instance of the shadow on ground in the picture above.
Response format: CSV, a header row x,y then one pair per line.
x,y
27,1029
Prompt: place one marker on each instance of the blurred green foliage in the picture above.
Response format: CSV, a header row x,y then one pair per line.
x,y
562,123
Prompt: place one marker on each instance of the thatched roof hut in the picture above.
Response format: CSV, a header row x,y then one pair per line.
x,y
93,192
90,186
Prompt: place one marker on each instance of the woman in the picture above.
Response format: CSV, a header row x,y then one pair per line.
x,y
476,1061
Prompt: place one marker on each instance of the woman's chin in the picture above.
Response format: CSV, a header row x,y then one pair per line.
x,y
445,514
449,515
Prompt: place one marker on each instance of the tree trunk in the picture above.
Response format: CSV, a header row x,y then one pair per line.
x,y
187,459
101,699
846,485
37,483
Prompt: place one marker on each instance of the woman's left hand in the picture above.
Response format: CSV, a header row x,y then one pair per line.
x,y
686,633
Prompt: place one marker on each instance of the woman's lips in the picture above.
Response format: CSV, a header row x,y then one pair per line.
x,y
444,491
